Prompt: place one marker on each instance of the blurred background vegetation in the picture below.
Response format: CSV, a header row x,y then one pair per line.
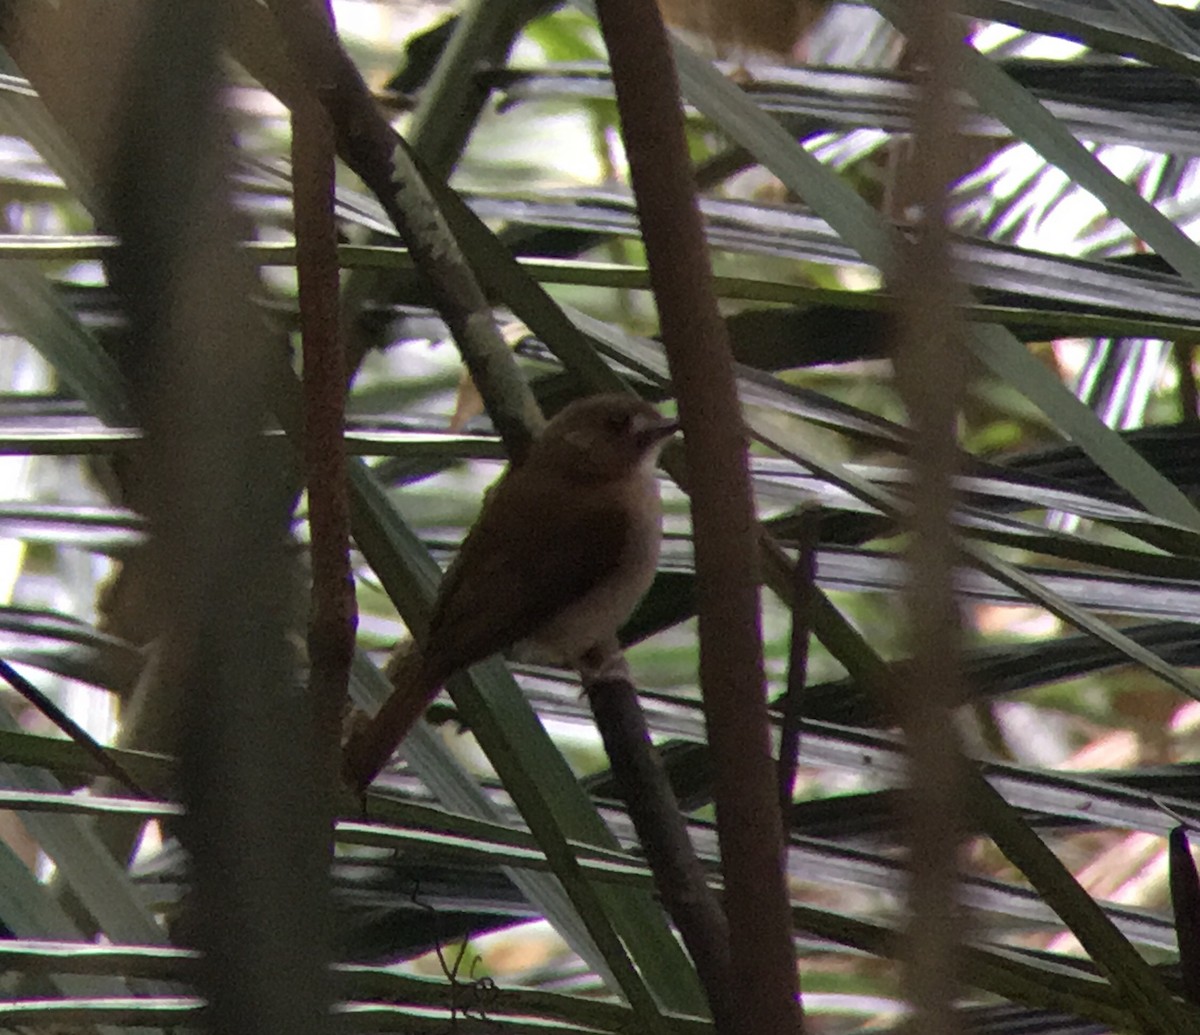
x,y
1080,599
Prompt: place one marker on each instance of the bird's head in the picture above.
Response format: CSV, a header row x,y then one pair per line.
x,y
603,436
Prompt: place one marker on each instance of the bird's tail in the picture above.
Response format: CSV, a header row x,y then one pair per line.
x,y
370,746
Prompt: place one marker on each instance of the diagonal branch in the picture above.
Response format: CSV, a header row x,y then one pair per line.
x,y
381,158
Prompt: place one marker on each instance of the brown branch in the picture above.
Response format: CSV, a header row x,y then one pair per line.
x,y
369,145
333,617
448,106
931,376
723,519
662,830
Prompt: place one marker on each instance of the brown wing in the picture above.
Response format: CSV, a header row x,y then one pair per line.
x,y
511,576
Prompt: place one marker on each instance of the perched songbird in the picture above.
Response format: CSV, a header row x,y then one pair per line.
x,y
566,545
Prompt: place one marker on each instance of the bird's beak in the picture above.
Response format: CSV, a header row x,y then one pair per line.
x,y
654,431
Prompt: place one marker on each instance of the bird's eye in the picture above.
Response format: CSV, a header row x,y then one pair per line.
x,y
619,423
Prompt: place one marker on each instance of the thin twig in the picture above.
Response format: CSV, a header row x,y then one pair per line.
x,y
69,726
1189,396
791,706
1185,903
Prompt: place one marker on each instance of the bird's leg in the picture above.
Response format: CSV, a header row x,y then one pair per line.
x,y
603,662
354,724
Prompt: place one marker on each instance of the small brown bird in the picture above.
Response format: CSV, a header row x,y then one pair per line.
x,y
566,545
